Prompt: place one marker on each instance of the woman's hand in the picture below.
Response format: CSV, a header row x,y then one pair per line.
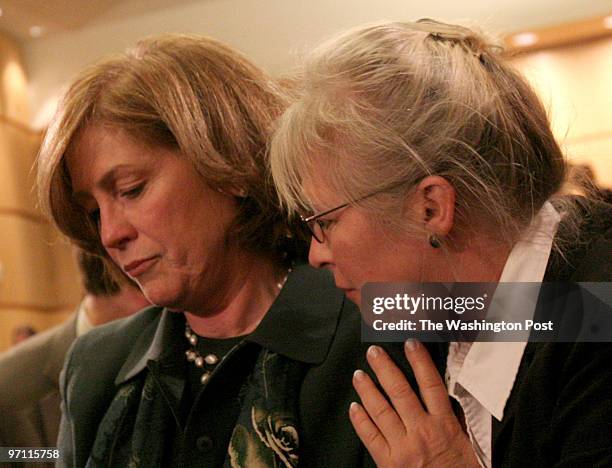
x,y
404,433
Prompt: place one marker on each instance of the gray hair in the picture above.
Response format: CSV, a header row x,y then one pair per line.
x,y
386,105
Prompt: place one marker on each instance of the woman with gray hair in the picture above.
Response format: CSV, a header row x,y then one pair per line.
x,y
416,154
157,161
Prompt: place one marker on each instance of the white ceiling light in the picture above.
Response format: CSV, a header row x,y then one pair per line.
x,y
524,39
36,31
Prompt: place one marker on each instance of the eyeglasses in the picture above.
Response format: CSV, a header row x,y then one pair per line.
x,y
318,226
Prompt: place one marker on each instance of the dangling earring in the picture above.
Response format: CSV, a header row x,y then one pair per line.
x,y
434,241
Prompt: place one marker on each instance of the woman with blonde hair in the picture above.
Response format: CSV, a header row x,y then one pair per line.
x,y
156,160
416,154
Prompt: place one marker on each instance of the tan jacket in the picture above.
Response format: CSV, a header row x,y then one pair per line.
x,y
29,389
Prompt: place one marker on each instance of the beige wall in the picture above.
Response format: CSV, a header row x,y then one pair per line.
x,y
273,33
38,282
576,85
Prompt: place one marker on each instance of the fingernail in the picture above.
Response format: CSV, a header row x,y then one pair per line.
x,y
354,406
374,351
410,345
359,375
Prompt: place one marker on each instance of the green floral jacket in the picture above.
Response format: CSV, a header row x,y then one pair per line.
x,y
119,397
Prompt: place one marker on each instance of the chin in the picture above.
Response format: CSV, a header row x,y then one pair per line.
x,y
354,295
162,296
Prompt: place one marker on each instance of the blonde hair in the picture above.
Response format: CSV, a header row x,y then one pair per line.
x,y
188,93
385,105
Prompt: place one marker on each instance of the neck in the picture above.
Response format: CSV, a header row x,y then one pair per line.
x,y
250,296
480,260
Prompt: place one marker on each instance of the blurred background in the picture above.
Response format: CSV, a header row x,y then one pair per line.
x,y
564,47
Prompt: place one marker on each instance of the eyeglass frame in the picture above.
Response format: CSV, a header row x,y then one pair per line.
x,y
315,217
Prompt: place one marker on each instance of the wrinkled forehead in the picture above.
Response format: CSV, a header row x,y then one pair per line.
x,y
320,188
84,146
104,145
305,156
78,144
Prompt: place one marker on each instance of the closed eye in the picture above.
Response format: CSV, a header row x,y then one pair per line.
x,y
133,192
325,223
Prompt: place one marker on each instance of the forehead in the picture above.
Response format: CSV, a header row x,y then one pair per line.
x,y
98,149
318,188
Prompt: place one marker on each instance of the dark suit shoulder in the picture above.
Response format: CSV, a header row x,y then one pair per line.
x,y
100,353
585,255
22,380
596,264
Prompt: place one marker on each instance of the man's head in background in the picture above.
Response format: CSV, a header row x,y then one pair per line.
x,y
106,298
22,333
29,373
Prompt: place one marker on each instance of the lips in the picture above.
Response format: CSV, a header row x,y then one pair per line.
x,y
138,267
352,294
343,287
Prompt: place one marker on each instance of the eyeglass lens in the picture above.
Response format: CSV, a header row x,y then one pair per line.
x,y
316,230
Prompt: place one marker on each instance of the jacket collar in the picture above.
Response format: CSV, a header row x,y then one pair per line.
x,y
300,324
156,339
302,321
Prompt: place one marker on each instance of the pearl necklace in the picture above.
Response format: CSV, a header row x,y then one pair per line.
x,y
210,360
198,360
282,282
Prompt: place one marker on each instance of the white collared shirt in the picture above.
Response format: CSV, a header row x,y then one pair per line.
x,y
480,375
83,324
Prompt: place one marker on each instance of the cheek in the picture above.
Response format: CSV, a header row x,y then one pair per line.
x,y
160,220
376,259
353,259
353,249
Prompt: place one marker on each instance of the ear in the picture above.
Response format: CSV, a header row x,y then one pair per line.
x,y
435,204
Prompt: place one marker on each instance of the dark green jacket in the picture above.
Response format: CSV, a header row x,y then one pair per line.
x,y
310,322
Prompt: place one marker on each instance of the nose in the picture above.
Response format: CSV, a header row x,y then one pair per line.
x,y
116,230
320,254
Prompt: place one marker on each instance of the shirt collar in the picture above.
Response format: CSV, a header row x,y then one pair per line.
x,y
83,324
300,324
490,368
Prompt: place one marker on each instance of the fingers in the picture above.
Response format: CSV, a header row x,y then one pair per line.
x,y
395,385
401,431
431,386
382,414
368,433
